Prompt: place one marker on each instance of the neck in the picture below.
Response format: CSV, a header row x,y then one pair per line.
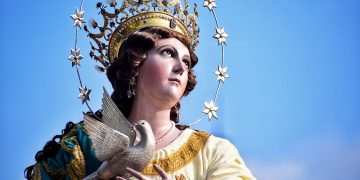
x,y
157,116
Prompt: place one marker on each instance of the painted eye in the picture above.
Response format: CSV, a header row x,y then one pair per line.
x,y
186,63
167,53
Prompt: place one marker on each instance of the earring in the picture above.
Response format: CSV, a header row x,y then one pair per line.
x,y
177,113
131,89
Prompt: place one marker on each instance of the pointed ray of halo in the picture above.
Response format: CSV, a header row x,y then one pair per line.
x,y
222,64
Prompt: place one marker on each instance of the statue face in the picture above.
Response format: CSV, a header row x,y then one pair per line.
x,y
163,75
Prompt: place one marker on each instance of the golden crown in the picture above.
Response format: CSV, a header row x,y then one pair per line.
x,y
132,16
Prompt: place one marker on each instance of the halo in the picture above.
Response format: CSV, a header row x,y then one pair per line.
x,y
210,107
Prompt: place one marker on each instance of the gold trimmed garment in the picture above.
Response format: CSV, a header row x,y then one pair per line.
x,y
192,155
199,155
75,159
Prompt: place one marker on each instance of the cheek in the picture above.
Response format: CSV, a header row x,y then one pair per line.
x,y
185,82
153,71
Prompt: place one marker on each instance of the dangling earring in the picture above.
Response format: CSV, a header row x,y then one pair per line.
x,y
131,90
177,113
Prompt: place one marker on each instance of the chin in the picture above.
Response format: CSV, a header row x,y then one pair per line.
x,y
172,94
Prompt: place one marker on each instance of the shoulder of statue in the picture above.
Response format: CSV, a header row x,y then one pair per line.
x,y
183,156
70,138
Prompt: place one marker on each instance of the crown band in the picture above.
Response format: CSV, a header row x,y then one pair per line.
x,y
140,21
132,16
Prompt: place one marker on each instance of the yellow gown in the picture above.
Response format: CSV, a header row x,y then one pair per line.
x,y
199,155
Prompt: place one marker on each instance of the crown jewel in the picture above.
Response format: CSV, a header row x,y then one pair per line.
x,y
132,16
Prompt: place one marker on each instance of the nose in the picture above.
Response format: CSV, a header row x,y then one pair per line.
x,y
179,68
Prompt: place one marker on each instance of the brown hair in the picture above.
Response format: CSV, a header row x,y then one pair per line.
x,y
131,56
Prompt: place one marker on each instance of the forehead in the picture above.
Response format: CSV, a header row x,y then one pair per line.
x,y
175,43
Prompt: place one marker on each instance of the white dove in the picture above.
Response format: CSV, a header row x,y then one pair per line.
x,y
113,142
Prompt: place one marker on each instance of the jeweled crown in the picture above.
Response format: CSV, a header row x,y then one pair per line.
x,y
132,16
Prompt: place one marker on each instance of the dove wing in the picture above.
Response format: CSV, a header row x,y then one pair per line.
x,y
113,117
107,142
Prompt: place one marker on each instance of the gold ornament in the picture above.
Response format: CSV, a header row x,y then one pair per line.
x,y
132,16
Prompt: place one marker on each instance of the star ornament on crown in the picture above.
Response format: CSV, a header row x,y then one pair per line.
x,y
119,20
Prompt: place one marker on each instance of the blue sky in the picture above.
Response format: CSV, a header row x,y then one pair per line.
x,y
291,104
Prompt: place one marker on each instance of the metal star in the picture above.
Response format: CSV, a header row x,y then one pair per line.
x,y
84,94
221,74
210,109
78,18
221,35
75,57
210,4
